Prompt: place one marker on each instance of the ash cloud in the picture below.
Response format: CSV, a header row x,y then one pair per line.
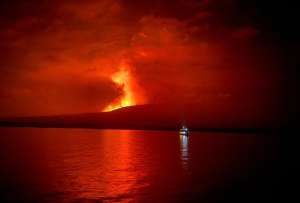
x,y
58,56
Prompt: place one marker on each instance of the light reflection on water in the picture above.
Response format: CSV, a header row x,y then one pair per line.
x,y
109,172
184,149
77,165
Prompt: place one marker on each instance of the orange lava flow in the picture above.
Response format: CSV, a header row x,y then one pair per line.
x,y
122,78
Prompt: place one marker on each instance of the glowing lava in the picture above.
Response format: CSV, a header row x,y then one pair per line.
x,y
122,78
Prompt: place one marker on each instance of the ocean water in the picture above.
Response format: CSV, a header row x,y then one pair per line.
x,y
80,165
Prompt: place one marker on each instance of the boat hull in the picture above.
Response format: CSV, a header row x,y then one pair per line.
x,y
183,133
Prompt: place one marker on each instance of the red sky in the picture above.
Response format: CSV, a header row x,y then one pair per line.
x,y
59,56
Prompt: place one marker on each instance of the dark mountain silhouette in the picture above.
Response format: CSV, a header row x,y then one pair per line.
x,y
164,117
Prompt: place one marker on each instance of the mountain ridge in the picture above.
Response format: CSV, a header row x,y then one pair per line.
x,y
158,117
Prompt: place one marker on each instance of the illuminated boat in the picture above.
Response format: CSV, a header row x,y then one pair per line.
x,y
184,131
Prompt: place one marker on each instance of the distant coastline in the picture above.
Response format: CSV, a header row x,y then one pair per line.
x,y
153,117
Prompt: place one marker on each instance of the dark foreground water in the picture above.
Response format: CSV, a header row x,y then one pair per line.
x,y
75,165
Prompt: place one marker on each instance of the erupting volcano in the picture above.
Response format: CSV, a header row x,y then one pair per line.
x,y
123,80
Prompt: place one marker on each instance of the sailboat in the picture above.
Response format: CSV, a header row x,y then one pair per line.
x,y
184,131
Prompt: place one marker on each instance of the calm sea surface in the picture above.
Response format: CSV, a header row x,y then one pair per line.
x,y
78,165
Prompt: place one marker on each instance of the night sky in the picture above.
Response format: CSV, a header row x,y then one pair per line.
x,y
61,56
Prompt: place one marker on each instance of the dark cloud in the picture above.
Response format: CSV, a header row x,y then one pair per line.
x,y
70,95
58,56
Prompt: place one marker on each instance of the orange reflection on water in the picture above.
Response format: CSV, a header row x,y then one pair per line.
x,y
123,177
111,174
